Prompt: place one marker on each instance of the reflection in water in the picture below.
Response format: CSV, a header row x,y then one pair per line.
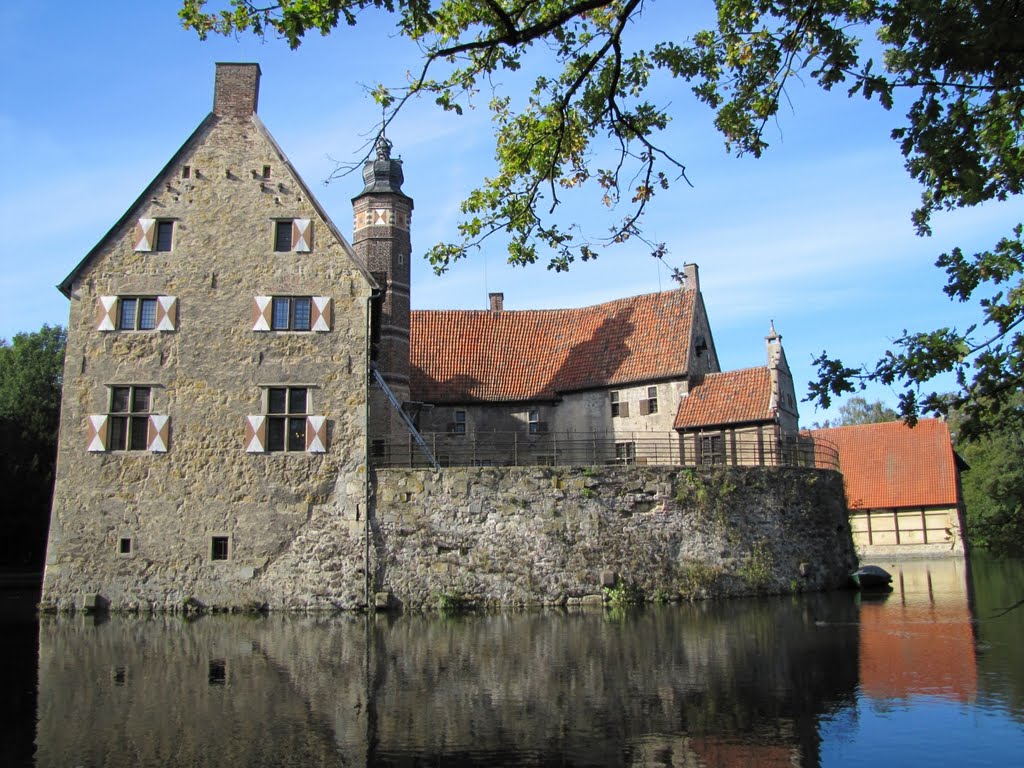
x,y
919,639
711,684
933,673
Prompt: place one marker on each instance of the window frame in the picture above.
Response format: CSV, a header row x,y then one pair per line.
x,y
459,422
289,323
625,452
163,237
620,406
283,228
124,426
286,429
714,453
220,548
140,303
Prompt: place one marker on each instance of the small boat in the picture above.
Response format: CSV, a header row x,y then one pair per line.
x,y
871,578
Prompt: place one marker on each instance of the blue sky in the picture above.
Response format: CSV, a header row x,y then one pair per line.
x,y
815,235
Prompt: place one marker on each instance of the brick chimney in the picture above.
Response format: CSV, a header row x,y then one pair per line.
x,y
497,301
690,280
236,90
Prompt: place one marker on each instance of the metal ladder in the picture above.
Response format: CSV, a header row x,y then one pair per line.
x,y
405,417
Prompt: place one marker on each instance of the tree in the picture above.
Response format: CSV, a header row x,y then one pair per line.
x,y
994,486
857,410
958,65
31,371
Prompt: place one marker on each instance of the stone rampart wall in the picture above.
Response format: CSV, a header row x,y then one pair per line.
x,y
547,535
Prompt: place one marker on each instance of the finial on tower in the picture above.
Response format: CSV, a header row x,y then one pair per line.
x,y
383,147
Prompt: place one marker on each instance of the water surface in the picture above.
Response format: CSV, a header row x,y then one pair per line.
x,y
931,674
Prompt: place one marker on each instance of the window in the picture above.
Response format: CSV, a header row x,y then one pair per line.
x,y
186,171
536,425
164,235
136,313
124,546
650,405
293,235
286,420
286,424
129,418
619,408
219,548
458,423
129,423
711,449
283,236
266,171
625,453
154,234
291,313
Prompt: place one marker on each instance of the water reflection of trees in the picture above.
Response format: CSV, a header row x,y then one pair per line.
x,y
704,682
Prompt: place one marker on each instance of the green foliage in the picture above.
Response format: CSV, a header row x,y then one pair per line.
x,y
589,123
857,410
588,493
758,570
697,580
31,370
452,601
622,594
993,487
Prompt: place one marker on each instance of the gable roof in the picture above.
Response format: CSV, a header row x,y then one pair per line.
x,y
521,355
892,465
732,397
203,128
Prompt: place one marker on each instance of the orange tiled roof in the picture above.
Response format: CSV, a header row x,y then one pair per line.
x,y
733,397
892,465
461,356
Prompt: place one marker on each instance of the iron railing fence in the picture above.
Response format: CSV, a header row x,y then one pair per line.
x,y
517,449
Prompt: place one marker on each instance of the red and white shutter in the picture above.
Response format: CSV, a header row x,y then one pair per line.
x,y
145,232
256,433
106,313
321,319
158,433
96,434
316,434
166,313
261,309
302,235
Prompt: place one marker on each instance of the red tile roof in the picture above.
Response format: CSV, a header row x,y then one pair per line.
x,y
892,465
461,356
733,397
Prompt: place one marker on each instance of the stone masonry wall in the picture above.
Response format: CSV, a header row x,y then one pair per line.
x,y
546,535
279,510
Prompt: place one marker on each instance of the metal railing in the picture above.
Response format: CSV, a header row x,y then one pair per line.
x,y
519,449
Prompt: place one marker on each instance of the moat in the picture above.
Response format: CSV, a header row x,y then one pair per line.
x,y
930,674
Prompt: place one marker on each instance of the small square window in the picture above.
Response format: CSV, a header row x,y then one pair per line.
x,y
625,453
219,548
124,546
186,171
619,408
218,672
266,171
164,235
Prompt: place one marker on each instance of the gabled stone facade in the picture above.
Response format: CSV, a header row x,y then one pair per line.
x,y
231,244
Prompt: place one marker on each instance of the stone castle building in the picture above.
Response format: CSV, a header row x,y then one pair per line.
x,y
236,369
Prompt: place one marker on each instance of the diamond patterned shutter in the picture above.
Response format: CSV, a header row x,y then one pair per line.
x,y
302,235
261,309
321,316
166,313
316,434
106,314
96,434
157,433
145,231
256,433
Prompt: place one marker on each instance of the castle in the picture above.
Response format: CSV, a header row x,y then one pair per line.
x,y
236,369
